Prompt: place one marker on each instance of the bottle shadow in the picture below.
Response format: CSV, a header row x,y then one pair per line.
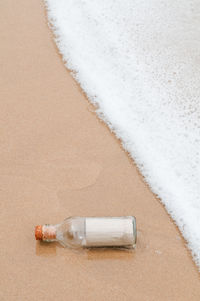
x,y
50,249
46,249
110,253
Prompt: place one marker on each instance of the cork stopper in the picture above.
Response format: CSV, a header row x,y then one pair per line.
x,y
45,232
38,233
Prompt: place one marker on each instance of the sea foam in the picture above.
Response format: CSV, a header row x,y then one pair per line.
x,y
139,61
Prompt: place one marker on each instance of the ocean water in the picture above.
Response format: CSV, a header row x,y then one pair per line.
x,y
139,62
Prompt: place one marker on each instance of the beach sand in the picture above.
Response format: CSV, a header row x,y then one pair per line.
x,y
57,159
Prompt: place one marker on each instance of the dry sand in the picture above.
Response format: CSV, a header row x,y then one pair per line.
x,y
57,159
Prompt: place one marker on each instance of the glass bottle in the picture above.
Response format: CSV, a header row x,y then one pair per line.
x,y
86,232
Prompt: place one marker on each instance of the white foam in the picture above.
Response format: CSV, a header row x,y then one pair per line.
x,y
139,61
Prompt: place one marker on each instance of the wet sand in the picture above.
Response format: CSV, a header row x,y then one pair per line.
x,y
56,160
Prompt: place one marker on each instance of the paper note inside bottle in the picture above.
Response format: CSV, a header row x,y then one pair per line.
x,y
109,232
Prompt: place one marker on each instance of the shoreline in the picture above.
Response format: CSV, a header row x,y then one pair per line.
x,y
58,159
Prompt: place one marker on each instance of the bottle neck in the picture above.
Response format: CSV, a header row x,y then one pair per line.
x,y
48,233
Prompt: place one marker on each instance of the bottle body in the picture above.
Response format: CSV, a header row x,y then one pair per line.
x,y
87,232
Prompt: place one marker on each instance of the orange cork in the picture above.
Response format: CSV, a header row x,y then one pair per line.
x,y
38,233
45,232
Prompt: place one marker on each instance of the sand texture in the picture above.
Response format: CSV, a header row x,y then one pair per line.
x,y
56,160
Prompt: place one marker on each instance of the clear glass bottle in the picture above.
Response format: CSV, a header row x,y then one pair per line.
x,y
86,232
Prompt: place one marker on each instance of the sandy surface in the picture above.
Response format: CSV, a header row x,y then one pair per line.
x,y
57,159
